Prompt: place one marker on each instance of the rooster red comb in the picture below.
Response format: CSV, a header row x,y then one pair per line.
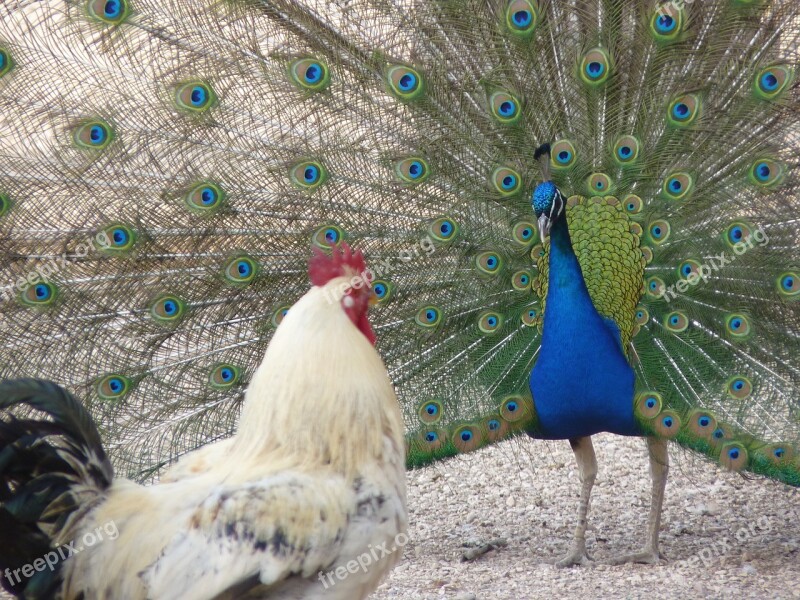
x,y
341,261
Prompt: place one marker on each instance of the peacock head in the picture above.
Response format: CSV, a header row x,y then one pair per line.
x,y
548,204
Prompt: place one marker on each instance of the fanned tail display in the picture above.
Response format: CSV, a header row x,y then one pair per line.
x,y
165,168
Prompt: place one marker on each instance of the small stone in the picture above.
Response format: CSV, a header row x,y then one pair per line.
x,y
749,569
465,596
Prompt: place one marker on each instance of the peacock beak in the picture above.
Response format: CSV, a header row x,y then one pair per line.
x,y
544,226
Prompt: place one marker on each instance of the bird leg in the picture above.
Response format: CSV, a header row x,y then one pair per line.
x,y
659,467
587,470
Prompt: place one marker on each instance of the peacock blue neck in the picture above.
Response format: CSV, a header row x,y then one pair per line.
x,y
582,383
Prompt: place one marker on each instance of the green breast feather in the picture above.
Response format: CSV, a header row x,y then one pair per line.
x,y
606,243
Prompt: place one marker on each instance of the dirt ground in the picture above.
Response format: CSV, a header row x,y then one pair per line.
x,y
723,536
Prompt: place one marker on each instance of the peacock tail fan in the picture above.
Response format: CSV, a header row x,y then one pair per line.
x,y
166,167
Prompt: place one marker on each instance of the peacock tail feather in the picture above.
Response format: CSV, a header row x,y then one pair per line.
x,y
167,165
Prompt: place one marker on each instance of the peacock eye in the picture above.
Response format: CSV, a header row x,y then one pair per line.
x,y
430,411
327,236
506,181
739,387
490,322
522,18
381,291
224,376
240,270
678,186
39,295
309,74
412,170
6,62
515,408
789,285
111,12
659,231
626,150
505,108
115,238
113,387
168,309
562,155
667,22
771,82
737,326
279,314
676,322
767,173
428,317
204,198
521,281
684,110
599,184
595,67
404,83
308,175
489,263
443,229
194,97
94,135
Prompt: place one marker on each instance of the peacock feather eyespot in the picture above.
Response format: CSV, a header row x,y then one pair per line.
x,y
505,108
648,405
113,386
689,268
521,281
240,270
788,285
489,263
382,291
39,295
467,438
676,322
5,204
429,440
767,173
490,322
194,97
279,314
642,316
701,424
524,233
667,424
654,287
738,326
734,456
405,83
668,22
678,186
562,155
658,232
530,316
506,181
684,110
93,135
116,238
430,411
537,252
771,82
168,309
633,204
522,17
224,376
310,74
516,408
443,230
428,317
595,67
599,184
738,232
308,175
327,236
627,150
496,428
111,12
204,197
6,62
739,387
779,454
414,169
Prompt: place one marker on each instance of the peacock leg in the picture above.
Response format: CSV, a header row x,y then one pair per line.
x,y
587,469
659,467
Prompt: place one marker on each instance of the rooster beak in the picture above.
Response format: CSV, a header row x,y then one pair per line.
x,y
544,226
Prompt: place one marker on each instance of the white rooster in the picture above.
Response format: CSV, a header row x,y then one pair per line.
x,y
306,501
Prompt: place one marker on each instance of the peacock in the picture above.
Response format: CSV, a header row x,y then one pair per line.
x,y
580,216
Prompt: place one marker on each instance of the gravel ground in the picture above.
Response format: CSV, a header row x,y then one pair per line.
x,y
723,536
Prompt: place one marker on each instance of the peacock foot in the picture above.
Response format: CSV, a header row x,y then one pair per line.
x,y
577,555
648,556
